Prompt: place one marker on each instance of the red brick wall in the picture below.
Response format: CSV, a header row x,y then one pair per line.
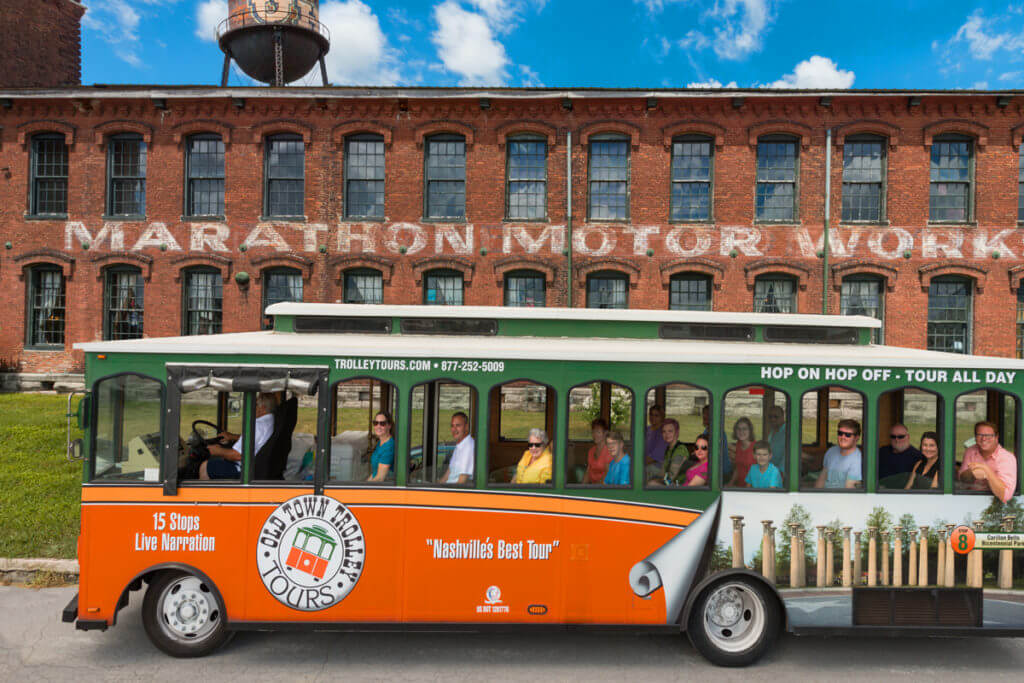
x,y
40,43
86,117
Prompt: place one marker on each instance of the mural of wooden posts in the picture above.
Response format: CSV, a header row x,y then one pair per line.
x,y
847,577
1006,557
857,567
794,556
912,560
872,556
897,556
940,558
976,571
737,541
922,553
819,579
950,569
885,558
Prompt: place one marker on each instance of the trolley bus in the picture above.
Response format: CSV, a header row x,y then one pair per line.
x,y
305,534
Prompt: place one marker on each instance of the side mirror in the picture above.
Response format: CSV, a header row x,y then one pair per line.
x,y
74,450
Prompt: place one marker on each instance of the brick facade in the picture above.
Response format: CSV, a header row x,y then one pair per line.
x,y
906,251
40,43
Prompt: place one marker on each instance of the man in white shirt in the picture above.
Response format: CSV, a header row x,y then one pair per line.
x,y
460,467
226,462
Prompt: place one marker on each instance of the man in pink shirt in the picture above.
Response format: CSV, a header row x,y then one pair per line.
x,y
988,464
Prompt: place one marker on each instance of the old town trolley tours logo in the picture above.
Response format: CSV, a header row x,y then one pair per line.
x,y
310,552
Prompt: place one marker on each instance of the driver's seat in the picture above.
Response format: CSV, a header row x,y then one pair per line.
x,y
271,460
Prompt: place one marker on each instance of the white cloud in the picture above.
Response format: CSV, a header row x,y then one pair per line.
x,y
694,40
209,13
984,38
467,47
360,53
979,85
743,23
816,72
117,22
528,78
1011,76
980,41
711,84
655,6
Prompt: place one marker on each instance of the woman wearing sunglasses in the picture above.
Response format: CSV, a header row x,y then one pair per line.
x,y
842,466
382,462
698,474
535,465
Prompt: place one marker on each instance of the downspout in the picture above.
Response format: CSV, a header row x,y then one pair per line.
x,y
568,215
828,213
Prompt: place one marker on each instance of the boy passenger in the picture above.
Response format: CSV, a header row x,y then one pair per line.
x,y
987,465
763,474
842,466
618,470
460,467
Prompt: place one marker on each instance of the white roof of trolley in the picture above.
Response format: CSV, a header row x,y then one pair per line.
x,y
590,314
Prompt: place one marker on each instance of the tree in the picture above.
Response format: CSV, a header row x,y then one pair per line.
x,y
909,525
992,517
620,406
721,557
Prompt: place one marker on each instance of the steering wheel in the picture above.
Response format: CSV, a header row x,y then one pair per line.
x,y
198,443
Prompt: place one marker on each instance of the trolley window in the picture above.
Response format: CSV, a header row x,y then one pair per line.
x,y
128,434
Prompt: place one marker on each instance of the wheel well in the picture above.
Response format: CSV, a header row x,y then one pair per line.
x,y
149,575
718,577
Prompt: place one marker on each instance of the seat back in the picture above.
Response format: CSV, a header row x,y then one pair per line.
x,y
273,457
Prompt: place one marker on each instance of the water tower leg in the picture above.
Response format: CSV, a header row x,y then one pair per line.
x,y
323,71
226,70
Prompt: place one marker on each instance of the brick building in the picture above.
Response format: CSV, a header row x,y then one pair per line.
x,y
40,43
168,210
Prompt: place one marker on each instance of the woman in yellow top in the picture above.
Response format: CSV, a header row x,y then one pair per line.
x,y
535,465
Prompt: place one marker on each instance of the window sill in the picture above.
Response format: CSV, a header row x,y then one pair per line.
x,y
44,349
283,219
790,224
880,224
620,221
365,219
46,217
444,220
202,219
545,219
693,221
953,224
134,218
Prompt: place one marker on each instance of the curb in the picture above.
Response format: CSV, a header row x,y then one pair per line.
x,y
25,570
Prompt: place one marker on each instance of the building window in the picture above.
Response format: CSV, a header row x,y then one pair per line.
x,y
777,170
609,178
46,307
952,177
774,294
204,171
691,179
442,288
204,302
126,176
285,175
524,288
49,167
364,176
280,284
607,290
864,179
949,314
689,292
1020,184
446,177
864,296
364,286
527,179
123,304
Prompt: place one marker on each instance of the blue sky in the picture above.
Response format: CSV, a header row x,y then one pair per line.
x,y
940,44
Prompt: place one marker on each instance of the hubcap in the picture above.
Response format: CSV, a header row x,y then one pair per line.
x,y
734,617
188,609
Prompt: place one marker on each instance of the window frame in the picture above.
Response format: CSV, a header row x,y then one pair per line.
x,y
866,417
947,456
643,410
778,138
881,283
968,324
266,322
267,180
550,408
111,179
635,483
597,139
185,310
691,138
140,287
473,424
361,271
972,146
511,140
883,190
347,179
696,277
35,177
788,408
94,408
607,275
445,272
427,180
778,277
31,333
524,273
189,178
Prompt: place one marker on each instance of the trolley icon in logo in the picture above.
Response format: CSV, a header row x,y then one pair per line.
x,y
310,552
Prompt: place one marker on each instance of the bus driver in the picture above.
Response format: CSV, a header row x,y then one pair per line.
x,y
226,462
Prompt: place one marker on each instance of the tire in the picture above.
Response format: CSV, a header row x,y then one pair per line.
x,y
734,621
182,616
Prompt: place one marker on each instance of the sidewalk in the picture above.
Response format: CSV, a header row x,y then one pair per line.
x,y
17,570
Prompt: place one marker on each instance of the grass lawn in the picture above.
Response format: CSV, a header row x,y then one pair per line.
x,y
40,491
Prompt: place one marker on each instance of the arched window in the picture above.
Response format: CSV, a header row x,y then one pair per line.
x,y
755,420
363,286
445,192
864,295
999,408
778,174
951,186
280,284
123,303
950,314
775,293
679,419
46,314
284,176
608,178
126,176
517,454
692,174
525,288
49,167
905,416
864,176
526,178
689,292
442,287
202,301
204,176
359,446
608,289
364,176
832,428
442,433
596,410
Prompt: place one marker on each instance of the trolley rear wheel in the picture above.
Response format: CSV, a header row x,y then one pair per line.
x,y
734,622
182,616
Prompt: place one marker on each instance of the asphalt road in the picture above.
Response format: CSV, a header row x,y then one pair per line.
x,y
36,646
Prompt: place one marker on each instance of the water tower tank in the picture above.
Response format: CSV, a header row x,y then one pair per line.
x,y
274,41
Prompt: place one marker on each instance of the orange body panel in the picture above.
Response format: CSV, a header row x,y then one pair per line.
x,y
415,555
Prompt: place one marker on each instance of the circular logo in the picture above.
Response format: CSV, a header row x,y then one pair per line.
x,y
493,595
962,539
310,552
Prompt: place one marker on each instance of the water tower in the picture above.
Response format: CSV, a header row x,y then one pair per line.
x,y
274,41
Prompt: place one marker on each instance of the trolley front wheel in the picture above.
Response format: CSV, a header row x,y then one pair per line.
x,y
182,617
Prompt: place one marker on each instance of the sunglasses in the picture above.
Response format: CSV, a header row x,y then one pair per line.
x,y
382,423
844,433
701,448
898,436
984,436
534,445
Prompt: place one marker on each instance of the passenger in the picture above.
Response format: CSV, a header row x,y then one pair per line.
x,y
677,458
742,451
842,464
382,462
618,470
898,458
598,457
698,474
989,466
225,462
535,465
764,474
460,467
777,436
654,444
925,474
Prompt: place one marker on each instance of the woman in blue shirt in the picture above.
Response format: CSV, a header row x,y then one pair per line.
x,y
382,462
618,470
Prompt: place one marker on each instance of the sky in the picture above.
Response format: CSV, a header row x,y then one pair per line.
x,y
908,44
